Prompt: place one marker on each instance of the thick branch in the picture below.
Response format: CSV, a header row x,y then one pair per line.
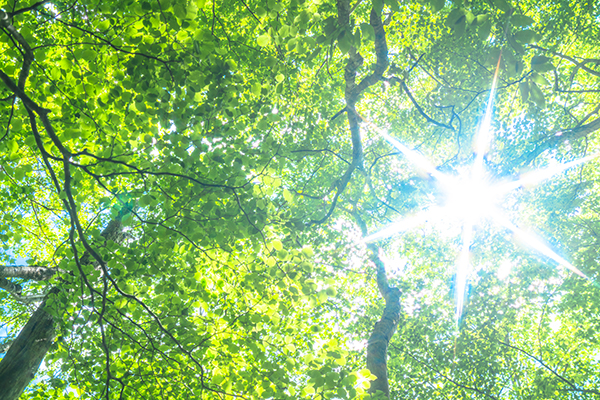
x,y
5,22
21,362
353,91
10,286
379,341
562,136
33,272
384,329
381,51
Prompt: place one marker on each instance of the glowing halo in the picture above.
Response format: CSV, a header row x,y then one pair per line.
x,y
472,197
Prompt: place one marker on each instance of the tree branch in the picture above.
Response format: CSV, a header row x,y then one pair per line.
x,y
417,105
10,287
353,91
560,377
578,65
33,272
384,329
560,137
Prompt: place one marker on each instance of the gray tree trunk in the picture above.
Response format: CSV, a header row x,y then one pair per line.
x,y
21,362
23,359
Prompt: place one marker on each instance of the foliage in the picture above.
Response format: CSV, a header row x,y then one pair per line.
x,y
215,134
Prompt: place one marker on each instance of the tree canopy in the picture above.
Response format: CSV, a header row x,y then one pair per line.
x,y
187,185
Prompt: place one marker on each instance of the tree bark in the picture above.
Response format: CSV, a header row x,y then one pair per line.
x,y
21,362
383,330
25,354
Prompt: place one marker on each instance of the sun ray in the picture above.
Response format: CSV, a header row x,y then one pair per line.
x,y
485,133
538,245
416,158
472,197
463,267
538,176
406,224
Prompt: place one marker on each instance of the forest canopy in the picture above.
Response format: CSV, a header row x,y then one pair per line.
x,y
299,199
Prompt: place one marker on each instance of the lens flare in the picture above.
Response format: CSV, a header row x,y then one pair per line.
x,y
472,197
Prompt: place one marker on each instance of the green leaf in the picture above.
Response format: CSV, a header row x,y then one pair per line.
x,y
521,21
368,33
263,40
437,5
537,96
538,60
539,79
345,42
526,36
541,64
256,88
454,17
16,124
503,5
89,55
277,245
524,91
484,28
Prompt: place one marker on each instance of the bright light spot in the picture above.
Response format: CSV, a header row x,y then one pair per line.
x,y
504,269
470,199
555,324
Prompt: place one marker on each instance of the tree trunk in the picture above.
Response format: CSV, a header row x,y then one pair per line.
x,y
21,362
379,340
23,359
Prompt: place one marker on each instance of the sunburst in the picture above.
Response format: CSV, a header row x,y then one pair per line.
x,y
474,196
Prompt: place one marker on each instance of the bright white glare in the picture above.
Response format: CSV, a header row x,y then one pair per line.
x,y
536,177
538,245
471,198
504,269
555,324
463,267
407,224
418,160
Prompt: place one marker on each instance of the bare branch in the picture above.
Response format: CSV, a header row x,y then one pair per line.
x,y
562,136
31,7
417,105
578,65
353,91
30,299
553,372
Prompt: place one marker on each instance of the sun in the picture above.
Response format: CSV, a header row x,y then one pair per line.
x,y
469,198
472,196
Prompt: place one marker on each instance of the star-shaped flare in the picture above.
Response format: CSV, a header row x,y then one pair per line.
x,y
473,197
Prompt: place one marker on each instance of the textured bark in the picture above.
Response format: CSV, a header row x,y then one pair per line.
x,y
383,330
33,272
10,286
21,362
353,91
378,343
